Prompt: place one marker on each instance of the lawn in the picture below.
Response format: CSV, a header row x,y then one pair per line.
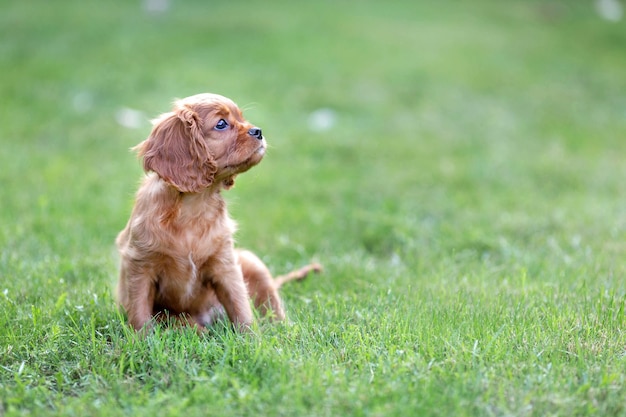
x,y
458,168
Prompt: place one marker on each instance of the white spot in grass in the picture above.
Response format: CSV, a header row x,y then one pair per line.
x,y
611,10
156,6
82,102
322,120
130,118
284,240
396,260
475,351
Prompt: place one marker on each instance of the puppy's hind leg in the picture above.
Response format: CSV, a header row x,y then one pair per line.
x,y
262,288
260,285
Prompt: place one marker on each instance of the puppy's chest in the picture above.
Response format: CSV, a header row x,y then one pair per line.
x,y
181,282
195,241
199,232
194,237
186,273
196,245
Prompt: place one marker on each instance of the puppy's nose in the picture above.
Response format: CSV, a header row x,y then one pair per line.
x,y
256,132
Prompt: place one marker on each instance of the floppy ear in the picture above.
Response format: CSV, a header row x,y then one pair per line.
x,y
177,152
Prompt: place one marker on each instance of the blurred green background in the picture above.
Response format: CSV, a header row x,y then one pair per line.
x,y
426,110
451,154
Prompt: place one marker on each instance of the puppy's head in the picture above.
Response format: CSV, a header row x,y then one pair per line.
x,y
203,141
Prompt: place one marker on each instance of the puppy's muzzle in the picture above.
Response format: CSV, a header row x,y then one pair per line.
x,y
256,132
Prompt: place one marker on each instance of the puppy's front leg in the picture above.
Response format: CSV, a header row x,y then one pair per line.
x,y
227,280
136,294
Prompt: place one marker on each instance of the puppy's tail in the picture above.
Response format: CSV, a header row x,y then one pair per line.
x,y
298,274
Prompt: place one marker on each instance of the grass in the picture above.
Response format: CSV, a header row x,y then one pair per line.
x,y
468,206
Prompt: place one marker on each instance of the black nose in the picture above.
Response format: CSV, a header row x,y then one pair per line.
x,y
256,132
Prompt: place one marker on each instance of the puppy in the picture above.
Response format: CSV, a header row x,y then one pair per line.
x,y
177,254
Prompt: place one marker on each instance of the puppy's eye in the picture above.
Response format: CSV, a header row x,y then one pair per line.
x,y
221,125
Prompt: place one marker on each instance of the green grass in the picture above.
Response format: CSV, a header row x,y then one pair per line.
x,y
469,207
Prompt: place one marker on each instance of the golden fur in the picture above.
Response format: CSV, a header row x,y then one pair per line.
x,y
177,254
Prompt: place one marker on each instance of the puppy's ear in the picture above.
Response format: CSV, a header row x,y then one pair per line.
x,y
177,152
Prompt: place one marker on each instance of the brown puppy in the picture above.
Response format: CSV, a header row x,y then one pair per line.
x,y
177,255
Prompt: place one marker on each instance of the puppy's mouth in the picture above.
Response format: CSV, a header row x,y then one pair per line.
x,y
248,163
